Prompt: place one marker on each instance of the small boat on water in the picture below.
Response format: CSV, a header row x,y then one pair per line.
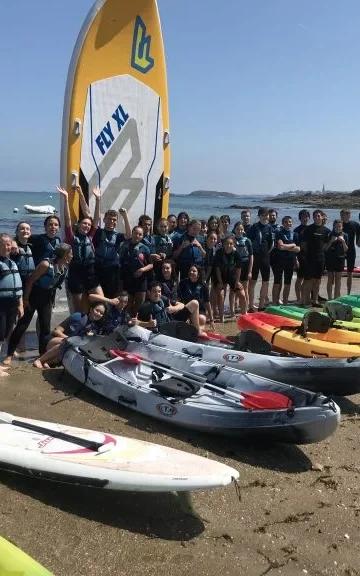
x,y
45,209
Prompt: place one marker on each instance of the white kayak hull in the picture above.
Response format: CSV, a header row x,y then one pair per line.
x,y
312,419
128,464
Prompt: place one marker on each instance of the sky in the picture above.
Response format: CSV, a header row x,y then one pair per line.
x,y
264,94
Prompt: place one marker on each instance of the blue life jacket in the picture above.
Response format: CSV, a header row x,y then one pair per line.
x,y
190,291
107,248
169,290
10,279
190,255
148,241
24,260
116,318
261,238
133,256
83,250
53,277
287,237
163,244
242,249
210,256
45,247
337,251
159,313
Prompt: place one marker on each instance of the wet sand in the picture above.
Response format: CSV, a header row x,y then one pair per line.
x,y
299,513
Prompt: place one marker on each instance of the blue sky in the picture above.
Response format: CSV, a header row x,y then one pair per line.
x,y
264,94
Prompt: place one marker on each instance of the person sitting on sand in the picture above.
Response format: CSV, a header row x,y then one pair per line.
x,y
157,310
76,324
117,313
193,288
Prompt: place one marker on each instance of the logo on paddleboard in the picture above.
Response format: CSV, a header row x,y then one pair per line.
x,y
140,55
166,409
233,357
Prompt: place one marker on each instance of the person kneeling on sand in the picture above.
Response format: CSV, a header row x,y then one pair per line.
x,y
157,310
76,324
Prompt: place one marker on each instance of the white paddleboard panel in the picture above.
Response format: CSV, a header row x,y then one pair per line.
x,y
128,464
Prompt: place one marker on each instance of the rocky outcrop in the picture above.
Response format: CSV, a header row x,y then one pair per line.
x,y
320,199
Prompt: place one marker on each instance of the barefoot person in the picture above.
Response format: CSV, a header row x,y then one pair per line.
x,y
352,229
227,266
39,296
335,254
11,290
315,238
261,238
76,324
157,310
283,260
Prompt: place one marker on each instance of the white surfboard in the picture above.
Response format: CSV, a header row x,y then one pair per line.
x,y
116,118
112,462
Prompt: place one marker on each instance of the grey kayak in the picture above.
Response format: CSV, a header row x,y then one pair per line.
x,y
222,409
332,376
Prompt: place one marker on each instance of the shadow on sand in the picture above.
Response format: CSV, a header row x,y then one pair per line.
x,y
347,406
271,455
157,515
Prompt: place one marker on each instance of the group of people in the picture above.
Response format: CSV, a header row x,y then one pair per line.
x,y
181,269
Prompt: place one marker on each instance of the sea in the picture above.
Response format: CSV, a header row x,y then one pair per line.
x,y
12,208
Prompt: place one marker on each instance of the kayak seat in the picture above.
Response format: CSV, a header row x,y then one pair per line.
x,y
314,322
338,311
180,330
97,348
174,388
251,341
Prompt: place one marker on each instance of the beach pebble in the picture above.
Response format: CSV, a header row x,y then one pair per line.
x,y
316,467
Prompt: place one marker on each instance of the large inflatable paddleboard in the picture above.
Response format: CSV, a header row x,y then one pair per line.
x,y
90,458
115,120
14,562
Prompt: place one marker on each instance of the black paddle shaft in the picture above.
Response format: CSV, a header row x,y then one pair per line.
x,y
90,444
213,370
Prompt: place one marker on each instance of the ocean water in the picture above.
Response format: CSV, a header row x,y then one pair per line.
x,y
16,200
195,206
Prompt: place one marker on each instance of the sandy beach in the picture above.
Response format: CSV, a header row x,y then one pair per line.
x,y
299,512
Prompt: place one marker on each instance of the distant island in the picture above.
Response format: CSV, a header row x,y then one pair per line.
x,y
207,194
319,199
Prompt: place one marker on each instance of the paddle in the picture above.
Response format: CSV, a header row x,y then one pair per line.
x,y
90,444
207,336
259,400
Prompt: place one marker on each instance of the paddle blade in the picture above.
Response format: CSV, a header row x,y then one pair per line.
x,y
214,336
126,356
266,400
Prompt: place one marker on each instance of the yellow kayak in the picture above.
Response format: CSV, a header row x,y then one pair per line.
x,y
336,335
288,341
14,562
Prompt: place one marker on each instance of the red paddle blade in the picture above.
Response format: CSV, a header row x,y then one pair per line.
x,y
126,356
265,400
215,336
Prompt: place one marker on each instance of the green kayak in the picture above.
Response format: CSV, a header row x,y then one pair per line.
x,y
352,300
297,313
15,561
